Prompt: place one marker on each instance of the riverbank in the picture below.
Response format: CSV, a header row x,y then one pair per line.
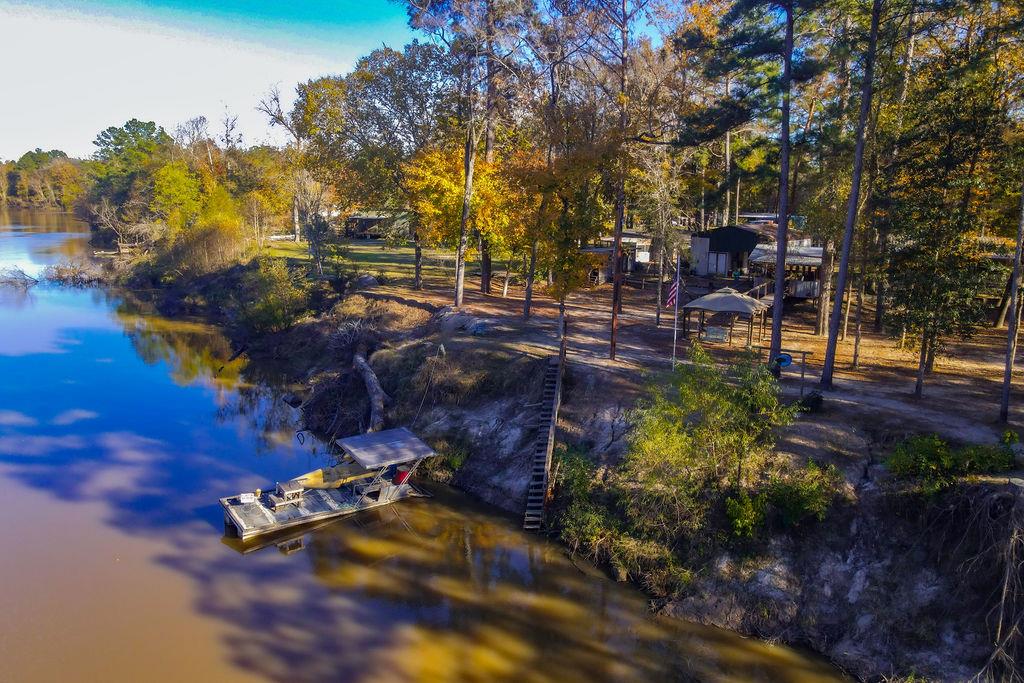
x,y
876,603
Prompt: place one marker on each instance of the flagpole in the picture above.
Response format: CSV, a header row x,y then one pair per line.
x,y
675,317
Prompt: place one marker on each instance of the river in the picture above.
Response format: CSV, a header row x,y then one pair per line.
x,y
120,429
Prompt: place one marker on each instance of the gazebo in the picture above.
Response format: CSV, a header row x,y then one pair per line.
x,y
728,301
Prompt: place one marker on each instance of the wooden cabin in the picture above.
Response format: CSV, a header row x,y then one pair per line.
x,y
373,224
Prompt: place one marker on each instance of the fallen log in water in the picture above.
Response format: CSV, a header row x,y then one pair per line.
x,y
73,274
16,277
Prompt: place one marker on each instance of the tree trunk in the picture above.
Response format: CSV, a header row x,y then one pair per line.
x,y
378,399
854,198
921,361
846,313
883,237
468,162
728,171
1011,336
860,311
1004,303
491,101
798,157
782,234
490,116
825,295
661,278
703,221
561,318
531,269
295,218
504,286
620,187
485,265
737,200
418,263
531,273
728,161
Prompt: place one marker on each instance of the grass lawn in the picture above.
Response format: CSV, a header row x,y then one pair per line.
x,y
396,263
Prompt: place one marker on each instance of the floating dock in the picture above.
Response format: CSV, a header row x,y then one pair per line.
x,y
374,471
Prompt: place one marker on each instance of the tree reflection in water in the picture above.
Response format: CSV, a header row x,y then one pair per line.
x,y
198,353
442,590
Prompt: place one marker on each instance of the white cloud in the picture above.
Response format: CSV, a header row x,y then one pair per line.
x,y
70,75
69,417
13,418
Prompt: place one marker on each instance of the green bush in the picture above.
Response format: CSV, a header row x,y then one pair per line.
x,y
575,472
804,495
746,514
274,300
652,563
587,527
451,456
923,456
936,465
710,429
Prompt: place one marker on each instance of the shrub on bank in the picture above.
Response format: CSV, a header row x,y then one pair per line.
x,y
273,298
804,495
451,455
589,524
706,433
746,513
792,499
935,465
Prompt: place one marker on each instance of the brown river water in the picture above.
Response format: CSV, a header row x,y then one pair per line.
x,y
120,429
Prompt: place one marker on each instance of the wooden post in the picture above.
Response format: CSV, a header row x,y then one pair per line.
x,y
675,313
803,371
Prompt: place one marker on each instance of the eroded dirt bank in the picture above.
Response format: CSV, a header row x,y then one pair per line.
x,y
889,584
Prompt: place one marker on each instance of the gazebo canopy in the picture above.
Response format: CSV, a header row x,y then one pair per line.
x,y
727,300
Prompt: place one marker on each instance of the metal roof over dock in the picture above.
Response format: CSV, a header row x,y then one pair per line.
x,y
796,254
383,448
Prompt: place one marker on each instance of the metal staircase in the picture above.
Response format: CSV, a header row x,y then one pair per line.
x,y
536,496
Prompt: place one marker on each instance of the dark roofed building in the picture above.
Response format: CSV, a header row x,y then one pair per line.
x,y
370,224
725,250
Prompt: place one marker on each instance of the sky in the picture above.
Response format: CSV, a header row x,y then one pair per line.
x,y
75,67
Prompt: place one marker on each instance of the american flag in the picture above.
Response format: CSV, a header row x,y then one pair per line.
x,y
673,292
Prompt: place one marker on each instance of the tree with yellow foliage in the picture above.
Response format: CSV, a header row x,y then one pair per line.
x,y
500,204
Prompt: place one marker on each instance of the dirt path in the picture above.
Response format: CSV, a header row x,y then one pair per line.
x,y
960,398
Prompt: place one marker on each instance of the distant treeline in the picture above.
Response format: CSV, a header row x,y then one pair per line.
x,y
194,200
38,178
